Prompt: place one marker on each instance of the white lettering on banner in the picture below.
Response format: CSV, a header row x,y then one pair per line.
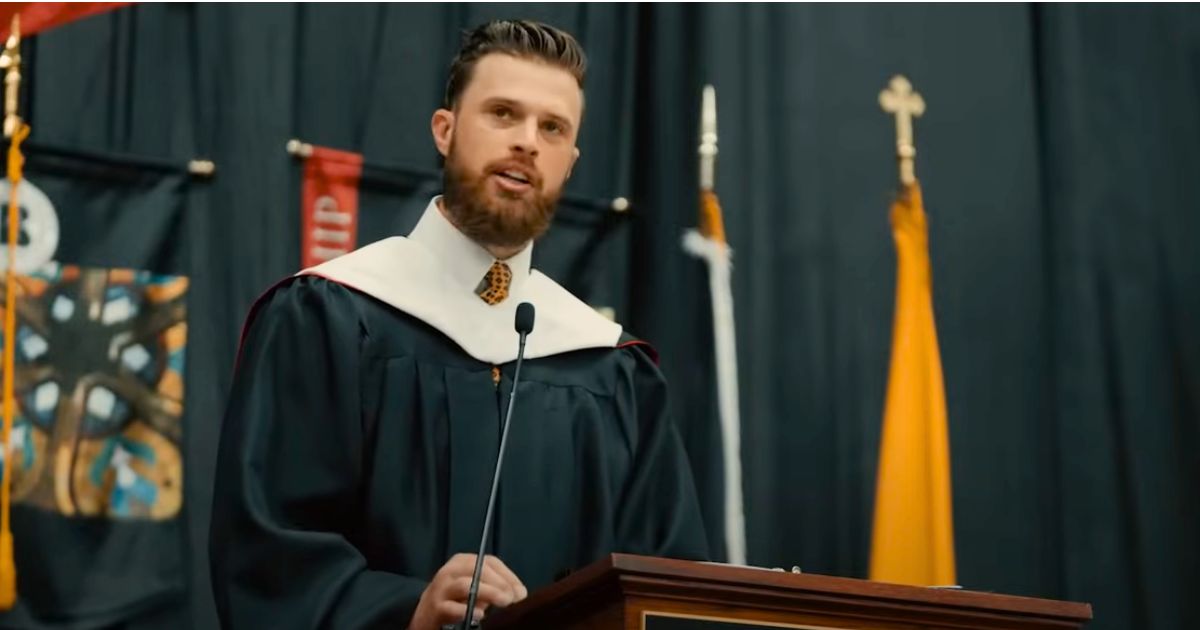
x,y
335,217
331,226
330,236
327,253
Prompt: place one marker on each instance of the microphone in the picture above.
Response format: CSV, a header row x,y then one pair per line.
x,y
524,325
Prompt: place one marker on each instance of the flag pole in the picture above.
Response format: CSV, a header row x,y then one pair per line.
x,y
709,244
912,538
16,131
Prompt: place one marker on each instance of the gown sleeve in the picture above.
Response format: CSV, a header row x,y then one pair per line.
x,y
290,468
659,513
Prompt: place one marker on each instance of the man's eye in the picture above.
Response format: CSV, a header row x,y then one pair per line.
x,y
503,113
552,127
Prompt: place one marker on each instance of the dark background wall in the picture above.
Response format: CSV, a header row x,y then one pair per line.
x,y
1059,157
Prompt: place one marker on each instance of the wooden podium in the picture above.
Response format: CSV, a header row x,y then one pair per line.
x,y
625,592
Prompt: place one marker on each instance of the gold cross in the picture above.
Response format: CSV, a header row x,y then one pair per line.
x,y
900,99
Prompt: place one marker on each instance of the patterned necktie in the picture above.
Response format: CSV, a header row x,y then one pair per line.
x,y
493,289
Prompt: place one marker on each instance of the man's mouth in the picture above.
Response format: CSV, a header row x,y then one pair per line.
x,y
516,176
515,179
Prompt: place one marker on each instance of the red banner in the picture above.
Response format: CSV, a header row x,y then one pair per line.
x,y
329,207
41,16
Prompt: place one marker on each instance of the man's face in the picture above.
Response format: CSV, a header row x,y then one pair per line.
x,y
509,148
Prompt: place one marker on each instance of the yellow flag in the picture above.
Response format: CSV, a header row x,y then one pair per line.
x,y
913,537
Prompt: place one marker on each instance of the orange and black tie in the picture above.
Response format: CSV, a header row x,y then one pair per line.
x,y
493,289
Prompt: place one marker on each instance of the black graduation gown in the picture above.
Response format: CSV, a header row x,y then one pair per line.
x,y
357,451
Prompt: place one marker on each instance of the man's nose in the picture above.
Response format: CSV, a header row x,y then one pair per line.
x,y
525,138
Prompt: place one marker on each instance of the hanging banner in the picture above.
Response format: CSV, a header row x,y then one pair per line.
x,y
329,205
98,453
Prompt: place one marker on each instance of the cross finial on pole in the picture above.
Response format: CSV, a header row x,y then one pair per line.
x,y
900,100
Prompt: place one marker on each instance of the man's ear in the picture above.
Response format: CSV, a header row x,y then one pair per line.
x,y
574,159
442,126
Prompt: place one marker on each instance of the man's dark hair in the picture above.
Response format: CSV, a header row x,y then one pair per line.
x,y
520,38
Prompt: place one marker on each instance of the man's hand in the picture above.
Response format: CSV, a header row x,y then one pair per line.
x,y
445,599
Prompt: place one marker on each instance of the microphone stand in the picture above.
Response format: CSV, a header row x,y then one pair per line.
x,y
524,325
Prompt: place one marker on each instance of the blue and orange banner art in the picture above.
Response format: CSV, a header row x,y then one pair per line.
x,y
99,390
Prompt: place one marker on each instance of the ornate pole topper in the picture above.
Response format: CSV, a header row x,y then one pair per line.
x,y
708,137
10,62
900,100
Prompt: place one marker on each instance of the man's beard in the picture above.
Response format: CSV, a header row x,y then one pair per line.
x,y
502,219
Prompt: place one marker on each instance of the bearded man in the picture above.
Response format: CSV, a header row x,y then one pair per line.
x,y
358,445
